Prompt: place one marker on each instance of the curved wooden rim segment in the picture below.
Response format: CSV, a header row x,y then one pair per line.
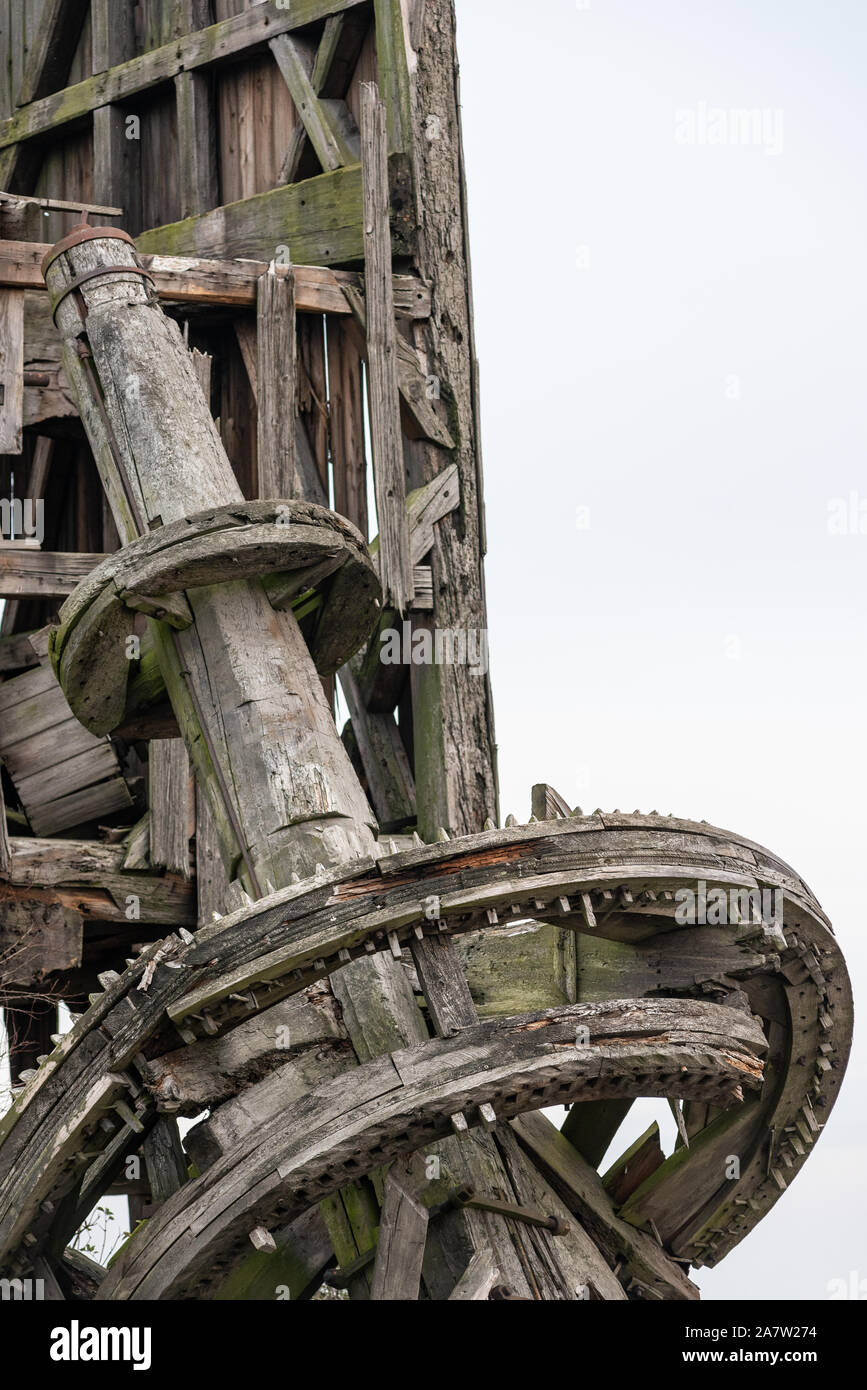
x,y
403,1101
622,867
308,546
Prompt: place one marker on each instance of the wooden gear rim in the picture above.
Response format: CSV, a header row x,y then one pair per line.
x,y
375,905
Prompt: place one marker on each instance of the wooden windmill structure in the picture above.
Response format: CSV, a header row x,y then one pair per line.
x,y
312,930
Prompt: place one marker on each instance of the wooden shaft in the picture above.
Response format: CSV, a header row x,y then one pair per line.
x,y
244,688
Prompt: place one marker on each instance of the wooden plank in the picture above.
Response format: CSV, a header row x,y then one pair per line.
x,y
11,370
197,143
402,1233
29,573
275,386
444,985
116,159
165,1159
388,466
393,73
387,771
194,280
547,803
72,774
170,801
346,408
591,1126
91,803
5,847
226,39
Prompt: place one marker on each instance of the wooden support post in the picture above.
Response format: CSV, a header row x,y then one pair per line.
x,y
387,772
275,385
390,482
402,1233
11,370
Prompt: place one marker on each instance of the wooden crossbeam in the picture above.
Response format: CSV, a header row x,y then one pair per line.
x,y
332,35
226,39
227,283
31,573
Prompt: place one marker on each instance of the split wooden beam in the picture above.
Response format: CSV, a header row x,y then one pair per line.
x,y
165,1159
89,876
388,469
170,796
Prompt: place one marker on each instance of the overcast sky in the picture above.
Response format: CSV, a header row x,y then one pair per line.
x,y
671,335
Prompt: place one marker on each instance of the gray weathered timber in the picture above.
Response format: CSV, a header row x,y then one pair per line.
x,y
91,876
477,1280
188,279
295,60
241,678
402,1233
11,370
390,484
5,847
170,797
275,390
223,40
197,142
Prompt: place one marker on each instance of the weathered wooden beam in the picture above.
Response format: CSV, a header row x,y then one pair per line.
x,y
388,470
241,678
346,408
89,875
233,284
642,1158
11,370
16,652
386,767
26,572
319,220
170,797
197,142
224,40
402,1233
393,72
5,848
477,1280
275,385
548,803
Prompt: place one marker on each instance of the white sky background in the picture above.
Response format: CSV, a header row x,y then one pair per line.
x,y
615,676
